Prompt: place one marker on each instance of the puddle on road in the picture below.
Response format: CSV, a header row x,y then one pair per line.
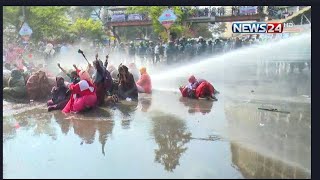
x,y
184,139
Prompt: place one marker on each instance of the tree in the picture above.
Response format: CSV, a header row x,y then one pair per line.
x,y
48,22
154,12
11,16
84,12
11,23
218,28
199,29
87,28
171,135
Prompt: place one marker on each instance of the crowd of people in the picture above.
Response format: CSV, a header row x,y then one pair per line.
x,y
80,90
75,90
180,50
145,51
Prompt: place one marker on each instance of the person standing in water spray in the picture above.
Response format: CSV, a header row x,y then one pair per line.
x,y
49,53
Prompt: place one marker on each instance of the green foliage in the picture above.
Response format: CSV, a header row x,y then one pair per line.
x,y
56,22
154,12
131,33
70,22
11,15
87,28
219,28
84,12
48,22
201,29
80,12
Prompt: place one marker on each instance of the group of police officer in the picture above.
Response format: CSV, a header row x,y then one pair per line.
x,y
180,50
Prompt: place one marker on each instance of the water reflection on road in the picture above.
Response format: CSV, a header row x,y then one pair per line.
x,y
185,138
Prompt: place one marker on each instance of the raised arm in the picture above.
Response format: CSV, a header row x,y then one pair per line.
x,y
64,71
88,67
76,68
106,61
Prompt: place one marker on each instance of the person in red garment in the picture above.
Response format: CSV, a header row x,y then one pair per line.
x,y
198,89
83,95
144,83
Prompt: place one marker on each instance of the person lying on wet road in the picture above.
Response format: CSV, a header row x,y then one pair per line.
x,y
199,89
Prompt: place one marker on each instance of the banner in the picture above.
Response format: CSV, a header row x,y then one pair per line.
x,y
25,30
167,15
134,17
167,18
118,18
245,10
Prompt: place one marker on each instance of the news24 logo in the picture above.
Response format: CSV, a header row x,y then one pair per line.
x,y
260,27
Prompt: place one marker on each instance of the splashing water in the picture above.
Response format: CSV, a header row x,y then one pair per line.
x,y
238,64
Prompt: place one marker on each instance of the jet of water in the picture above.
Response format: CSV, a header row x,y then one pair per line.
x,y
227,66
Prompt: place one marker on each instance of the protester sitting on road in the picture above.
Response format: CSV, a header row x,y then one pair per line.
x,y
127,87
83,95
60,95
144,83
16,86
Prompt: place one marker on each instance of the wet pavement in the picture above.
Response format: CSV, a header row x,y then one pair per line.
x,y
161,136
166,136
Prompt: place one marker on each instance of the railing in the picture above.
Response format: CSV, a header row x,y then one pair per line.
x,y
224,11
141,17
271,11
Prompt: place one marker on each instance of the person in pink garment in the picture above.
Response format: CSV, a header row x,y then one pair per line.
x,y
144,83
83,95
